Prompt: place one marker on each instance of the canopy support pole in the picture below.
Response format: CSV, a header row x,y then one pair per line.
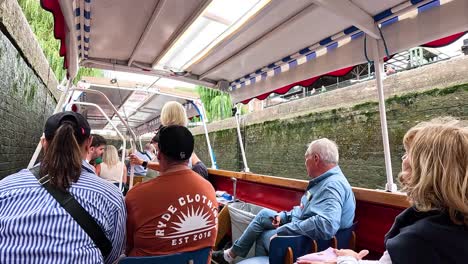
x,y
201,111
114,127
378,67
239,136
57,109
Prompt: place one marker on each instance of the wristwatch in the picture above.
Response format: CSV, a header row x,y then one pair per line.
x,y
144,164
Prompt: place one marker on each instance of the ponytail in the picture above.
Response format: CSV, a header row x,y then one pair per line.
x,y
62,160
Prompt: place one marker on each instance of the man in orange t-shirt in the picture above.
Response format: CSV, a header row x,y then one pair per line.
x,y
175,212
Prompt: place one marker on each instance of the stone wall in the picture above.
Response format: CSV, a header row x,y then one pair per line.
x,y
25,99
437,75
277,146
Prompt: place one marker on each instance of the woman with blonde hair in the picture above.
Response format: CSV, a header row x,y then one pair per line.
x,y
173,114
435,177
111,166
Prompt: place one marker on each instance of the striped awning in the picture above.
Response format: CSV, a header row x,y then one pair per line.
x,y
282,43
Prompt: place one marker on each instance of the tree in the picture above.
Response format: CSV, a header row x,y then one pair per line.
x,y
217,104
42,25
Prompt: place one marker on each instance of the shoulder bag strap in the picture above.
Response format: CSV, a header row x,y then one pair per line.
x,y
78,213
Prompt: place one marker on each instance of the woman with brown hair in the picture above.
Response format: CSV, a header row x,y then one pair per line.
x,y
435,177
42,210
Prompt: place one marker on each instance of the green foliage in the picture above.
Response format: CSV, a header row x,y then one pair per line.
x,y
218,104
42,25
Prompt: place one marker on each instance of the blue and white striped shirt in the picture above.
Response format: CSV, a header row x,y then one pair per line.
x,y
34,228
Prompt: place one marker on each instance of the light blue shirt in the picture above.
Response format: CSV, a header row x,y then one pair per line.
x,y
327,206
140,170
36,229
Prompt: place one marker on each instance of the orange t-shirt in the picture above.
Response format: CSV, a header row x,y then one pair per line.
x,y
175,212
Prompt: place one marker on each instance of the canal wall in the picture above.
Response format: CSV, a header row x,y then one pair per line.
x,y
28,91
275,139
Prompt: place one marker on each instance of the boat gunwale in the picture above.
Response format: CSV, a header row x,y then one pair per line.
x,y
398,200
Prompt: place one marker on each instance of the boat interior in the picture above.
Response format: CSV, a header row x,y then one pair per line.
x,y
250,49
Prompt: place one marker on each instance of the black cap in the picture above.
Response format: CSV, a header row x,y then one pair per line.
x,y
155,139
82,128
176,142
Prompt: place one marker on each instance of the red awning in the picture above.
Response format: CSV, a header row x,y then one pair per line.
x,y
444,41
283,90
53,6
304,83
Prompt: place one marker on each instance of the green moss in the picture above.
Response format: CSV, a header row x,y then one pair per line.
x,y
277,147
365,105
410,98
31,94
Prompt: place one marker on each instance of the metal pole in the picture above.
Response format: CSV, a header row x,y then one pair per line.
x,y
57,108
378,67
132,167
141,146
210,150
239,136
113,126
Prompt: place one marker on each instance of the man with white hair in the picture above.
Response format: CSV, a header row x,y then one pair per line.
x,y
327,206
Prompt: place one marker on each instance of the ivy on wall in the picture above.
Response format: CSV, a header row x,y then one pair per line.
x,y
42,24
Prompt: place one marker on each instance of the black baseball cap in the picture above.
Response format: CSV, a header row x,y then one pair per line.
x,y
80,124
155,139
176,142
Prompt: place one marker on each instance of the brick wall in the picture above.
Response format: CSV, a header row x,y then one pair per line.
x,y
25,103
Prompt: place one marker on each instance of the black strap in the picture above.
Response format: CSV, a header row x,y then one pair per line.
x,y
78,213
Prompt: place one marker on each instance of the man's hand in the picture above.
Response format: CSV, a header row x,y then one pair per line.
x,y
275,221
134,160
349,252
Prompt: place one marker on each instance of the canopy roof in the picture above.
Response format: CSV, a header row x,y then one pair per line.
x,y
247,47
140,104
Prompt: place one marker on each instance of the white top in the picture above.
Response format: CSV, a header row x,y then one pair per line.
x,y
112,174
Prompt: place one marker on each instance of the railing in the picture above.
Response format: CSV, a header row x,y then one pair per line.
x,y
366,195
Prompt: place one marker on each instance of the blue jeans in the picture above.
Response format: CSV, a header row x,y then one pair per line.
x,y
260,230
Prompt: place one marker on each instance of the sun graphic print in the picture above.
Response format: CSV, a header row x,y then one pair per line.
x,y
192,222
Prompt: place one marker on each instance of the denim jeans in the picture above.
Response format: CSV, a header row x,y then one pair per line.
x,y
260,230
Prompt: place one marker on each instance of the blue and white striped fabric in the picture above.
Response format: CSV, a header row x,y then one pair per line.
x,y
385,18
34,228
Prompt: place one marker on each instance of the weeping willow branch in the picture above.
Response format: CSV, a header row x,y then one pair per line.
x,y
217,104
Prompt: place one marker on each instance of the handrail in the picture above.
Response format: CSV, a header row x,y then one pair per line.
x,y
362,194
113,126
110,104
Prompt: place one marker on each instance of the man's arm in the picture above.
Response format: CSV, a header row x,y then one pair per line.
x,y
326,221
135,160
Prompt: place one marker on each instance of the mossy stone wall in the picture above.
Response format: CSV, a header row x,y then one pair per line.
x,y
25,103
277,147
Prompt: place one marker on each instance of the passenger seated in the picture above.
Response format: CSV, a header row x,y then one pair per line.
x,y
173,113
140,169
327,206
435,177
95,152
35,228
175,212
111,167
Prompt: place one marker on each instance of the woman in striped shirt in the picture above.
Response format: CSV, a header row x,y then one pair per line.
x,y
35,228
